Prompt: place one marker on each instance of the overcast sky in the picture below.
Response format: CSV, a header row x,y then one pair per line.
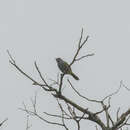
x,y
42,30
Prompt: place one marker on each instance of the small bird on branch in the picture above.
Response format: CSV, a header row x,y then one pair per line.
x,y
65,68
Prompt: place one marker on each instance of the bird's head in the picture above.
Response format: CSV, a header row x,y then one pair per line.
x,y
58,60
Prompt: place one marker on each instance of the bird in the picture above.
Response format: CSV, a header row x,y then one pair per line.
x,y
65,68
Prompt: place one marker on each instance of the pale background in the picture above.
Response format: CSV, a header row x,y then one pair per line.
x,y
45,29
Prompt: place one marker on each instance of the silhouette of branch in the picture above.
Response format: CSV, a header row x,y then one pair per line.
x,y
12,62
58,116
121,121
117,114
27,124
3,122
91,100
80,45
62,111
68,118
40,74
114,93
125,122
84,56
35,113
106,112
125,87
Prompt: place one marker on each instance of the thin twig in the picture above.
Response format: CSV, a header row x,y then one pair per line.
x,y
34,113
117,114
40,74
27,124
80,45
3,122
110,95
11,57
43,86
58,116
84,56
106,112
62,113
125,86
67,118
91,100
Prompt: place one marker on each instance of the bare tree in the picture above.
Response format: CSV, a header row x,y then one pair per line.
x,y
72,109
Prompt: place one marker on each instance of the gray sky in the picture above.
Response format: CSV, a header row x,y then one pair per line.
x,y
45,29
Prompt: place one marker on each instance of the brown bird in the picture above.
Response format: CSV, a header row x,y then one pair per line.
x,y
65,68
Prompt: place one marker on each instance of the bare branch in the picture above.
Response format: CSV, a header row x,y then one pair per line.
x,y
65,116
91,117
54,82
125,86
125,122
84,56
80,38
91,100
62,111
40,74
59,116
80,45
110,95
111,119
11,57
3,122
34,113
34,103
49,122
64,121
43,86
78,124
117,114
102,110
27,124
121,119
106,111
82,117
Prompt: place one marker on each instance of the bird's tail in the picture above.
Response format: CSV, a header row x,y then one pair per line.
x,y
74,76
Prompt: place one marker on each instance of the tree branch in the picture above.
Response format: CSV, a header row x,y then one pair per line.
x,y
80,45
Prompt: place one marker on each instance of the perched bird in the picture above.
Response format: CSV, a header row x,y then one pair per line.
x,y
65,68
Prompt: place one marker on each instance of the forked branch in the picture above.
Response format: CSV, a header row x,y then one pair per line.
x,y
73,106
